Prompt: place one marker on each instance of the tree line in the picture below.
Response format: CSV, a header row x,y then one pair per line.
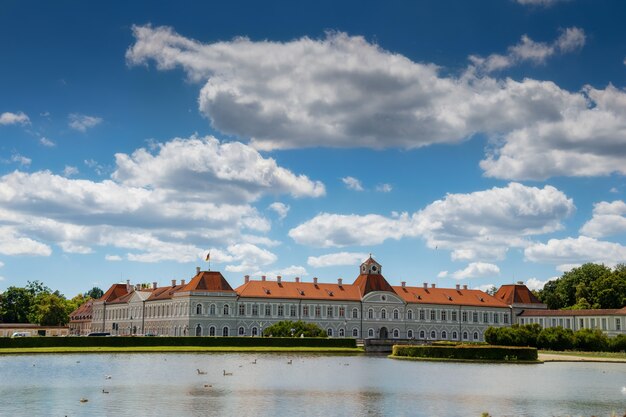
x,y
586,287
37,304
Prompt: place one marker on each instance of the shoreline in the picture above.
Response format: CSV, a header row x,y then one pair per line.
x,y
176,349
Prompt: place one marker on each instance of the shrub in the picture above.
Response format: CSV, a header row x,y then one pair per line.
x,y
591,340
287,328
515,335
468,352
555,338
618,343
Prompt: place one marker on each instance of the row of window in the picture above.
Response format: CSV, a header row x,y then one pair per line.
x,y
566,322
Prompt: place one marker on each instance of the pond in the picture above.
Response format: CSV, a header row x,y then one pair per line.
x,y
300,385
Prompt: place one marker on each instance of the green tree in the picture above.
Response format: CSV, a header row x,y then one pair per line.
x,y
555,338
15,304
94,293
287,328
591,340
49,309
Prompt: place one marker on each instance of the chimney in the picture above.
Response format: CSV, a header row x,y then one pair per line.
x,y
137,287
297,279
340,281
128,287
315,280
182,282
432,285
464,286
403,283
154,285
458,287
173,283
262,277
279,278
197,270
520,282
426,285
246,278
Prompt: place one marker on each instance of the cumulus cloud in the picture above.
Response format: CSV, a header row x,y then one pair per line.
x,y
608,219
337,259
68,171
21,159
478,225
570,40
113,258
8,118
280,208
536,284
248,257
352,183
46,142
476,270
82,122
155,219
442,274
570,252
384,188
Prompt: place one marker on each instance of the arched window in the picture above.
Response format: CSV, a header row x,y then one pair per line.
x,y
226,309
409,315
355,313
225,331
422,334
444,334
255,331
355,332
370,313
383,314
370,333
329,332
433,334
198,309
396,333
212,309
475,335
454,336
198,330
464,335
342,332
409,334
396,314
242,331
212,331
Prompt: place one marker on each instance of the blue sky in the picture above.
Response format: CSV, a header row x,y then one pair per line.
x,y
472,142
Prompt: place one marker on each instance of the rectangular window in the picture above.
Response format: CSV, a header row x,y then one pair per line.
x,y
561,322
581,323
329,311
318,311
443,315
432,315
541,322
553,322
495,318
568,323
475,317
268,310
593,323
255,310
342,311
292,311
242,309
604,324
505,318
305,311
421,314
464,317
454,318
485,317
281,311
618,324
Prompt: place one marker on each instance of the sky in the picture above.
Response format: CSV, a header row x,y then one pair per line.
x,y
479,143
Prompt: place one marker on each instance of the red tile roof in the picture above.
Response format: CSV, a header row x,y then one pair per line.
x,y
83,312
164,293
116,291
210,281
448,296
516,294
573,313
298,290
372,282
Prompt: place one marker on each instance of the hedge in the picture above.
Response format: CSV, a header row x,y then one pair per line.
x,y
126,341
467,352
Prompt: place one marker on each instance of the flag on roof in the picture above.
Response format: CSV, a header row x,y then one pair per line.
x,y
208,256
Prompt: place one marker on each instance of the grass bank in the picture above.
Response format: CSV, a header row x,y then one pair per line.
x,y
578,356
177,349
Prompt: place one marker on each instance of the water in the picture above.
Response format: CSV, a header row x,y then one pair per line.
x,y
313,385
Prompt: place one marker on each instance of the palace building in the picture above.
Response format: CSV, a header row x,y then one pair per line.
x,y
367,308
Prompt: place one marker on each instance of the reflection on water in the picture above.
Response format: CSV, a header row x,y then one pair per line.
x,y
312,385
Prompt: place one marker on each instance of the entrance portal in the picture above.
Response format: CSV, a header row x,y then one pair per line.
x,y
384,334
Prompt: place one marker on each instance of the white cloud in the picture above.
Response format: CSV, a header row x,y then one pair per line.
x,y
336,259
569,252
342,91
384,188
484,287
20,159
68,171
608,219
82,122
478,225
227,172
442,274
280,208
477,270
536,284
542,3
46,142
570,40
352,183
290,271
113,258
249,257
1,264
8,118
13,243
614,190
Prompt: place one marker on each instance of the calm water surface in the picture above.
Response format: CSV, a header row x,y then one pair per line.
x,y
313,385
